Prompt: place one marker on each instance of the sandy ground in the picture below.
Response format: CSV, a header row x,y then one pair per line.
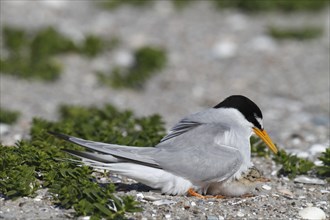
x,y
212,55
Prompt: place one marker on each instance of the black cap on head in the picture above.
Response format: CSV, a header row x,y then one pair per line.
x,y
247,107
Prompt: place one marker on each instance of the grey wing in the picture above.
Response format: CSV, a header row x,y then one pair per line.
x,y
110,152
201,164
196,155
183,126
194,122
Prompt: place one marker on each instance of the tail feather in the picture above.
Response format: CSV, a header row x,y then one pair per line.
x,y
93,156
134,162
111,153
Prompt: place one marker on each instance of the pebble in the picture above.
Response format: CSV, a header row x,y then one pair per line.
x,y
84,218
224,49
163,202
212,217
318,163
317,149
55,4
139,196
38,198
266,187
124,58
312,213
186,205
285,192
240,214
167,216
4,129
302,154
151,198
309,180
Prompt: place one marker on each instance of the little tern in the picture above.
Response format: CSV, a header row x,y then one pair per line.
x,y
202,154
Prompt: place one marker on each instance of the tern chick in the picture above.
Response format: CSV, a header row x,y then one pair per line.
x,y
207,152
238,187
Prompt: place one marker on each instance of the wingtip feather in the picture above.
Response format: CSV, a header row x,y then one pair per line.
x,y
59,135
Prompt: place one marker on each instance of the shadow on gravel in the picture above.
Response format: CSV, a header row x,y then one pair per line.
x,y
135,186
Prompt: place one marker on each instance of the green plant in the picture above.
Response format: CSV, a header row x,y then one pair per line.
x,y
269,5
32,55
148,61
258,147
324,170
7,116
291,165
112,4
304,33
39,162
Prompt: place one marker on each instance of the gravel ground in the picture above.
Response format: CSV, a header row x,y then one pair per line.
x,y
212,55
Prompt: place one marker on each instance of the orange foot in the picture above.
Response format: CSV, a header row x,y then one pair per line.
x,y
192,192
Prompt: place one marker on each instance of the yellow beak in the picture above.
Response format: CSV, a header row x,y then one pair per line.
x,y
265,137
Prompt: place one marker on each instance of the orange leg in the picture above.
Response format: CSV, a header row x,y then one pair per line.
x,y
192,192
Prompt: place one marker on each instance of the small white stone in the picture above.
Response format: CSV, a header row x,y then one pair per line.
x,y
296,141
285,192
318,163
312,213
38,198
151,198
224,49
274,172
124,58
163,202
309,180
311,189
266,187
317,148
240,214
303,155
221,217
139,196
323,191
84,218
55,3
322,202
193,204
4,129
167,216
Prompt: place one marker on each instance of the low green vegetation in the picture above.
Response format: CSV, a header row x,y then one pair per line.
x,y
8,116
278,5
40,163
147,62
325,169
32,55
112,4
291,165
243,5
302,33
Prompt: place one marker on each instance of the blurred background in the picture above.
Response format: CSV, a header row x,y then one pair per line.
x,y
170,57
